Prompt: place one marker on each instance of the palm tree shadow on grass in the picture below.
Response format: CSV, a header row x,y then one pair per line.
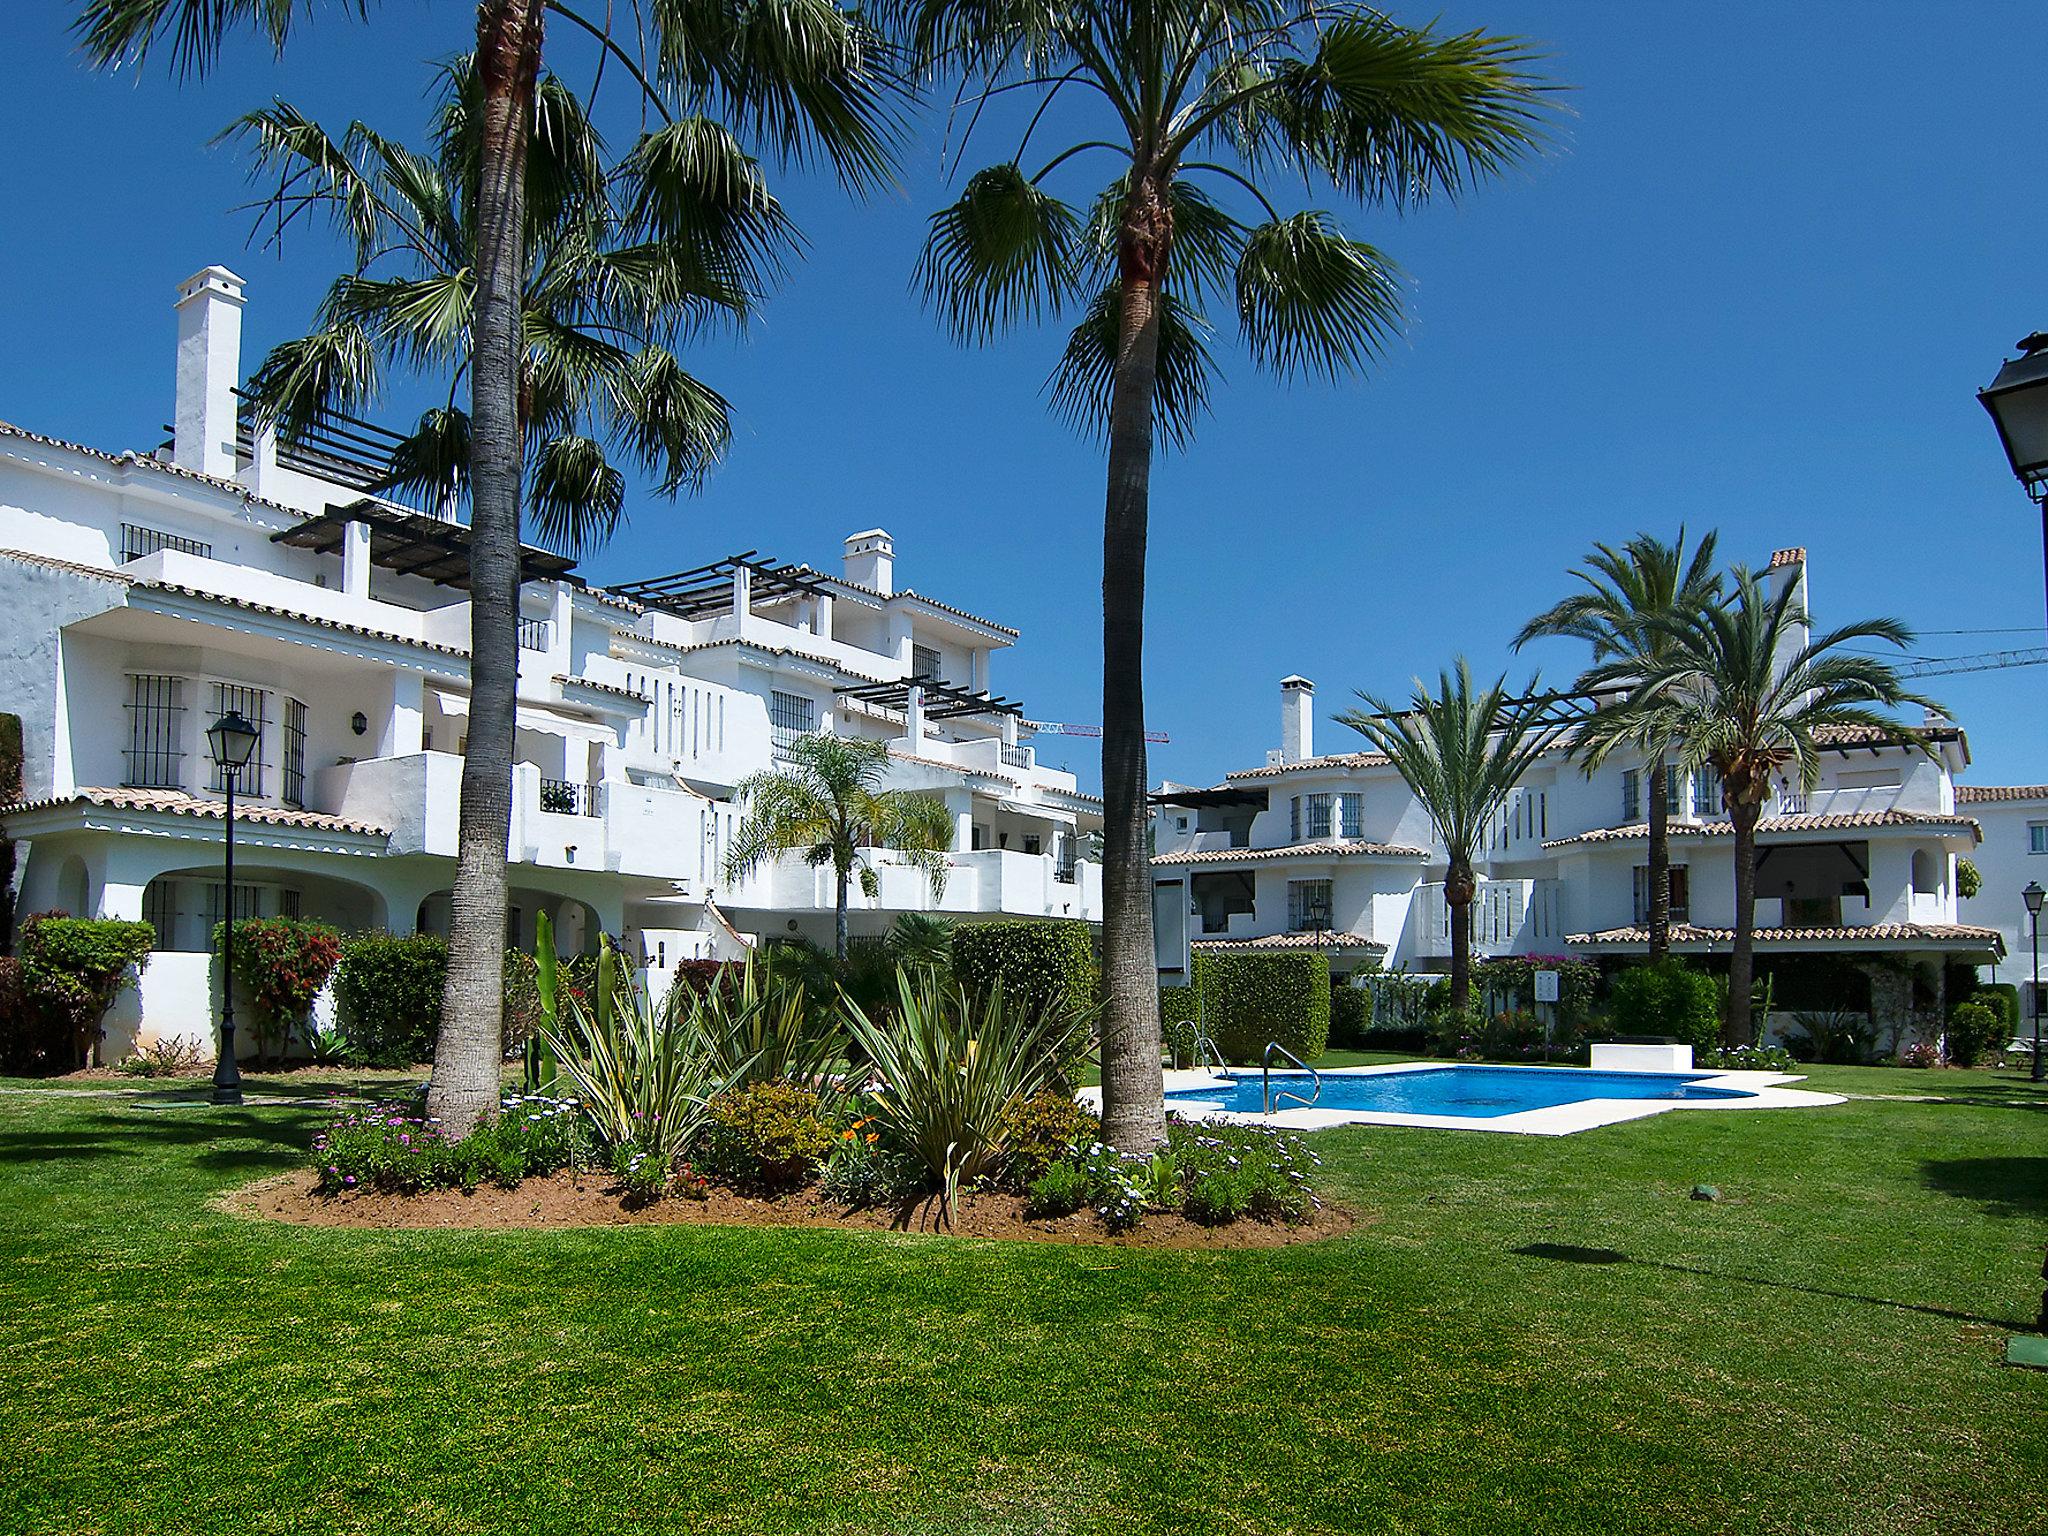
x,y
1566,1253
2003,1186
225,1135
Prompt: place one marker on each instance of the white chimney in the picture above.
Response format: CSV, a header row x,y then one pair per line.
x,y
871,561
209,368
1788,569
1297,719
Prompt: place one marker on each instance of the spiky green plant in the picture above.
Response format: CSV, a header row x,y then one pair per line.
x,y
951,1068
761,1022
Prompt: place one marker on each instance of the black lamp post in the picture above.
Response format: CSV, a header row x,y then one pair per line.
x,y
2018,402
2032,897
232,740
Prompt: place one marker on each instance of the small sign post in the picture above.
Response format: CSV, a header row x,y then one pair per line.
x,y
1546,992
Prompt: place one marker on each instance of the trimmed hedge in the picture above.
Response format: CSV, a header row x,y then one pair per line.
x,y
1248,1000
1974,1030
1177,1027
2004,999
387,996
1041,965
1350,1016
1666,999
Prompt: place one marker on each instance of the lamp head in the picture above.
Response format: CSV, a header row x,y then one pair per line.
x,y
2032,897
232,740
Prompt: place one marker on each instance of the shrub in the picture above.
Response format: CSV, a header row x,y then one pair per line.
x,y
767,1135
1231,1171
863,1172
952,1066
1973,1030
1060,1190
1508,983
1042,966
70,971
1350,1016
1040,1131
1666,999
166,1056
1452,1033
387,996
760,1022
2003,997
1968,881
282,963
394,1149
1921,1053
1249,1000
1747,1058
1831,1035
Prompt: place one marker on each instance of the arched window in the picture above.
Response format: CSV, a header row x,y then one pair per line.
x,y
1925,881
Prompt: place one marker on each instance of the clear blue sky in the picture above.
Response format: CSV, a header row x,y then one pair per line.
x,y
1774,254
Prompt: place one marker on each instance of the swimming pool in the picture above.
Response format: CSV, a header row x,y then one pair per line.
x,y
1530,1101
1462,1092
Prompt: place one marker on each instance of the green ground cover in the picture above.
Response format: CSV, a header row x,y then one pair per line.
x,y
1527,1335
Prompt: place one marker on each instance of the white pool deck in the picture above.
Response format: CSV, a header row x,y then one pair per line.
x,y
1551,1120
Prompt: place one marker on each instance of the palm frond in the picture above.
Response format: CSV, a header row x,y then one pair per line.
x,y
118,32
1005,253
1082,384
575,495
1310,300
301,380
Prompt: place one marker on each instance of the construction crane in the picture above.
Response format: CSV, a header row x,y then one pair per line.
x,y
1982,661
1055,728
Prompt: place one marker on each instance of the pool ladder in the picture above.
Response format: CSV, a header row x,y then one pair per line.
x,y
1204,1043
1275,1048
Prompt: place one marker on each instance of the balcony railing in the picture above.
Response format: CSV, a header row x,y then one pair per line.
x,y
1016,757
561,797
533,634
1065,871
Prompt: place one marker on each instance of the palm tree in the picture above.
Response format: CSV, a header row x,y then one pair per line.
x,y
1627,593
1459,753
802,75
827,804
1243,96
921,940
1744,688
624,261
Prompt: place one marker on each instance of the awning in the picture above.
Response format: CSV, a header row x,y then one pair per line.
x,y
412,544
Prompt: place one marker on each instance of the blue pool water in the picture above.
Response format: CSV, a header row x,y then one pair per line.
x,y
1466,1092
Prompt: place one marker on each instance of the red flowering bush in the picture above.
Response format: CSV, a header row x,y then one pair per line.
x,y
281,963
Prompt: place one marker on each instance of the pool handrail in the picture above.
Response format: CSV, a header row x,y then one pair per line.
x,y
1215,1055
1315,1093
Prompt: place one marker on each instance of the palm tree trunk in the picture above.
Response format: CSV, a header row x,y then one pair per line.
x,y
1660,862
466,1056
1133,1087
1740,1028
1458,891
839,915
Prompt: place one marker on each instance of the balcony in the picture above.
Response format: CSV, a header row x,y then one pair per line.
x,y
986,882
564,797
535,634
1506,916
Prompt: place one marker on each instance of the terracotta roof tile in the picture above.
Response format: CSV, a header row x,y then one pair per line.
x,y
612,688
69,567
1685,933
1310,765
1987,794
1329,848
1846,822
145,461
177,802
1287,941
273,610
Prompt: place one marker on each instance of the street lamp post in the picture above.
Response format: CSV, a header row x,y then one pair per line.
x,y
2018,402
232,740
2032,897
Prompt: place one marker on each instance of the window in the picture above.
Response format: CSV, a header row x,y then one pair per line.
x,y
156,722
248,904
924,664
1294,820
160,911
1308,906
2037,837
293,788
250,703
1706,792
1180,823
288,904
1033,844
533,634
1674,786
790,716
138,541
1351,815
1316,816
1631,795
1681,894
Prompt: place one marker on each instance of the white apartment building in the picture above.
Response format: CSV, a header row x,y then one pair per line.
x,y
2014,852
1332,853
144,593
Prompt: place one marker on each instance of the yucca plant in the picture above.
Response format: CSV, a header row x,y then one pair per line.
x,y
758,1023
638,1071
951,1068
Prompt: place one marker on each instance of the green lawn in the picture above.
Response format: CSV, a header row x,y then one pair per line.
x,y
1530,1335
